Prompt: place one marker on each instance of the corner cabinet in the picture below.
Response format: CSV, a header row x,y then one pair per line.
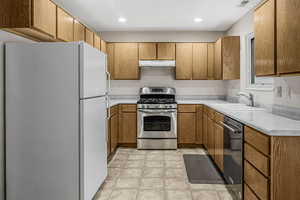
x,y
125,61
127,125
277,42
227,58
189,125
34,19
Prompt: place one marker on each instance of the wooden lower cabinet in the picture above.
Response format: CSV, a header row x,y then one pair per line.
x,y
219,146
186,128
113,130
127,124
189,124
271,166
210,137
205,136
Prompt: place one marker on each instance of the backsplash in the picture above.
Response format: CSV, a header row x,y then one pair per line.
x,y
166,77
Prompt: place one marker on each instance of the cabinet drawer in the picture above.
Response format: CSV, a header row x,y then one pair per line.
x,y
187,108
260,141
128,108
256,181
248,194
219,117
114,110
260,161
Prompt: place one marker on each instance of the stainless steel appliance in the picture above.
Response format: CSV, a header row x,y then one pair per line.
x,y
157,118
233,154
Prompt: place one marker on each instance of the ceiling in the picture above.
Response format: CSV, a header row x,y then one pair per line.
x,y
157,15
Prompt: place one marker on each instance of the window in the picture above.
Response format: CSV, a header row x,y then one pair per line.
x,y
252,81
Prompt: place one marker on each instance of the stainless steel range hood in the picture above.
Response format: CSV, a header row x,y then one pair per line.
x,y
157,63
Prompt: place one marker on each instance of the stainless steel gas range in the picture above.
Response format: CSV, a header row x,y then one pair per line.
x,y
157,118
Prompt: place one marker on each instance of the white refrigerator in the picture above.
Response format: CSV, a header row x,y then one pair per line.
x,y
56,121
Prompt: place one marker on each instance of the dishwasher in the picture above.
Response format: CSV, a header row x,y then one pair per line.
x,y
233,155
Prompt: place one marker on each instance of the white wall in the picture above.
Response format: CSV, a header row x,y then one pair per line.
x,y
158,77
265,98
161,36
4,37
165,77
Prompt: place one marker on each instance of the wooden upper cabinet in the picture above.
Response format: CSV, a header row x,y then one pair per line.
x,y
34,19
65,28
218,60
231,57
126,61
79,31
199,61
288,40
184,61
210,60
147,51
89,37
265,39
166,51
97,42
110,59
44,16
227,58
103,46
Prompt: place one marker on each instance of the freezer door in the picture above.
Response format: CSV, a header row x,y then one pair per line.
x,y
93,72
94,151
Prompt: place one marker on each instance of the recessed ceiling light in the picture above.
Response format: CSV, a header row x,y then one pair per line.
x,y
122,19
197,19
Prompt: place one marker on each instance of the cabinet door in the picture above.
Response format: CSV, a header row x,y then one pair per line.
x,y
288,40
147,51
205,125
184,61
219,146
210,137
103,46
114,130
166,51
199,135
78,31
210,60
126,61
186,128
97,42
110,59
89,37
231,57
128,130
265,39
199,61
218,60
44,16
65,30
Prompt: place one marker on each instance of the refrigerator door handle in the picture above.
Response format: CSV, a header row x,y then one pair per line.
x,y
108,107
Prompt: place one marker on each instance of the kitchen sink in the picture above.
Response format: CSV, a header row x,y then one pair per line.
x,y
238,107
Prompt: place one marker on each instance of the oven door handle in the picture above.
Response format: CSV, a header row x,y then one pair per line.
x,y
230,128
160,111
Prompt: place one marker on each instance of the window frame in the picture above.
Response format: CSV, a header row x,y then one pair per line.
x,y
249,85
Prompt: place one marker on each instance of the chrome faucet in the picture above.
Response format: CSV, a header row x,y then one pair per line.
x,y
249,96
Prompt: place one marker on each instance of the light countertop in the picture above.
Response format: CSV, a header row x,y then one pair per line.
x,y
259,119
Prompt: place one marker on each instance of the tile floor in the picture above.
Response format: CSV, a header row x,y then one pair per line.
x,y
156,175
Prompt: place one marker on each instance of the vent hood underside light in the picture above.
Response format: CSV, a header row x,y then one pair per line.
x,y
157,63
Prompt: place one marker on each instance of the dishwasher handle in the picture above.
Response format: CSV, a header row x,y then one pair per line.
x,y
232,129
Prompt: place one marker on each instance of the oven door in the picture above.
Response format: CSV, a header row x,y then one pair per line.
x,y
157,123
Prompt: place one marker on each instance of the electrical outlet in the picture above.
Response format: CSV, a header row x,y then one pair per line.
x,y
278,92
289,92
